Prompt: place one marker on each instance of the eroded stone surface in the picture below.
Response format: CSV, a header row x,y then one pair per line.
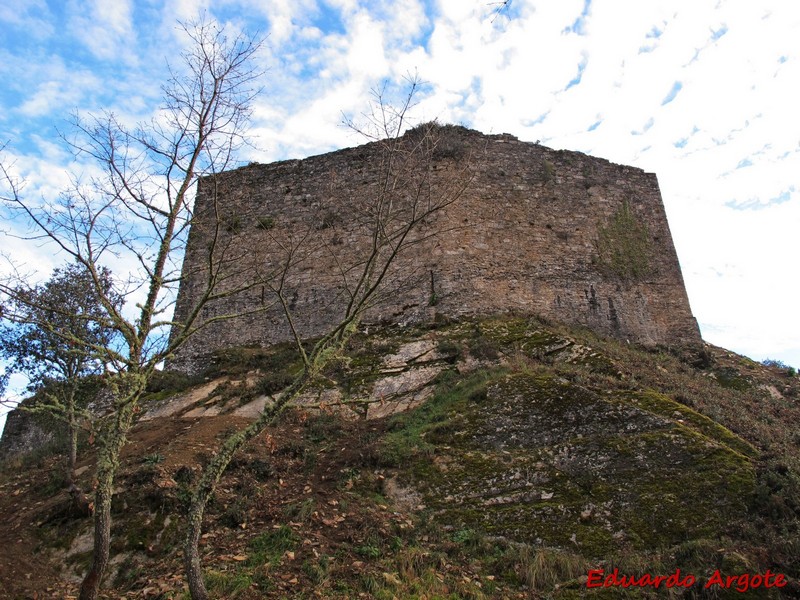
x,y
252,409
536,452
414,352
175,404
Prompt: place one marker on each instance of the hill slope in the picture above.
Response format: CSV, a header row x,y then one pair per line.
x,y
488,458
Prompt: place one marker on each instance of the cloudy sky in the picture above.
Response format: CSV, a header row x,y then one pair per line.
x,y
698,91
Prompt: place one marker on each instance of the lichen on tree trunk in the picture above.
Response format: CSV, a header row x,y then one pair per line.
x,y
79,500
211,474
126,388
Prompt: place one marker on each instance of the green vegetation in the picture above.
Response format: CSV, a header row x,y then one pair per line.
x,y
359,366
300,511
445,139
163,384
265,223
624,246
242,360
660,404
153,459
548,569
407,437
548,172
233,224
227,584
520,455
562,452
269,547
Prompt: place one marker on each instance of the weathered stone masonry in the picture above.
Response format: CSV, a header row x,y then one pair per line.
x,y
556,234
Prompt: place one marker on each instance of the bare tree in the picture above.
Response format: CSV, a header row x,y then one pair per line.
x,y
138,210
400,214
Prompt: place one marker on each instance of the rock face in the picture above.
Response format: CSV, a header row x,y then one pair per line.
x,y
22,434
557,234
503,426
544,456
541,460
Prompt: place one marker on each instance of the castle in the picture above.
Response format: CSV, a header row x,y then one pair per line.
x,y
556,234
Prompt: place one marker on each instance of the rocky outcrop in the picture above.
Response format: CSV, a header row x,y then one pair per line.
x,y
23,434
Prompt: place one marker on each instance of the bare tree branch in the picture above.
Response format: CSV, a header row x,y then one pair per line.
x,y
390,222
137,209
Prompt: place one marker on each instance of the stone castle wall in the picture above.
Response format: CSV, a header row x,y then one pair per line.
x,y
556,234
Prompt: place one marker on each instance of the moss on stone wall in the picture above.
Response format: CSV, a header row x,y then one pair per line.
x,y
623,246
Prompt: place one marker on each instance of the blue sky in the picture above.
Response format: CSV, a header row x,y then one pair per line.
x,y
701,92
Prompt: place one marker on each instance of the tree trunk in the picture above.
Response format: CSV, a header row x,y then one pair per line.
x,y
208,483
90,586
111,442
191,553
79,500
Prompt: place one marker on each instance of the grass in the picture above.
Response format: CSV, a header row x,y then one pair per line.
x,y
546,569
153,459
241,360
270,547
265,223
406,437
494,434
226,584
300,511
673,502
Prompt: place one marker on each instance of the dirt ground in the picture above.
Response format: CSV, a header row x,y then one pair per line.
x,y
308,485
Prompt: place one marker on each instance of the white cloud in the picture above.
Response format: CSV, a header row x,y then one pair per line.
x,y
365,54
33,17
105,28
689,89
61,90
184,10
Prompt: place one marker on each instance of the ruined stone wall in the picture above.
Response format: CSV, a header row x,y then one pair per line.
x,y
557,234
22,434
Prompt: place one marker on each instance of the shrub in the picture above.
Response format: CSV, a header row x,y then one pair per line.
x,y
483,348
445,140
169,381
240,360
233,224
153,459
261,470
273,382
265,223
300,511
771,362
234,516
779,364
545,569
450,349
328,220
